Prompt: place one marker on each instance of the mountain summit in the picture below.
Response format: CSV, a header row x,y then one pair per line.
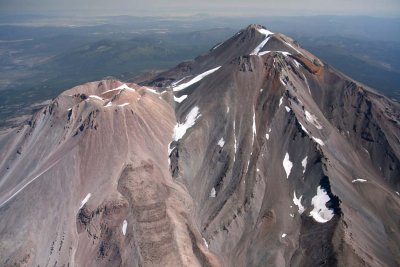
x,y
253,154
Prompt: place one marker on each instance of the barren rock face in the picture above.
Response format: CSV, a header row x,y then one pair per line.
x,y
254,154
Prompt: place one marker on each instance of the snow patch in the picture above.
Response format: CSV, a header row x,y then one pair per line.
x,y
221,142
195,79
264,31
397,193
318,141
267,34
124,226
124,87
293,47
205,242
213,193
181,128
109,104
218,45
123,105
152,90
234,134
180,99
85,200
297,202
269,51
175,83
280,101
283,235
287,164
304,164
321,213
267,136
287,109
260,46
313,120
96,97
359,180
304,128
296,63
254,125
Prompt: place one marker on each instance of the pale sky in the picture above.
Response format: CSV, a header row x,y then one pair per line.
x,y
212,7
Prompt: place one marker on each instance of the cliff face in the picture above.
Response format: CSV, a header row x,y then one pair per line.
x,y
254,154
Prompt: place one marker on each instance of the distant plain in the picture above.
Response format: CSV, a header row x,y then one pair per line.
x,y
42,56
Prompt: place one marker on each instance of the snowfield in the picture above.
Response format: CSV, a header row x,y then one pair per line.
x,y
304,164
124,226
195,79
359,180
287,165
85,200
297,202
221,142
180,99
181,128
321,213
213,193
267,34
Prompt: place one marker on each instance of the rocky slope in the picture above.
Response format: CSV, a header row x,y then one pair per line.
x,y
254,154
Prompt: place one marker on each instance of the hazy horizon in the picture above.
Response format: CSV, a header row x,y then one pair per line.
x,y
385,8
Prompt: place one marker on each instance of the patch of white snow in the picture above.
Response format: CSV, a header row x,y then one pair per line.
x,y
297,202
213,193
254,125
180,99
175,83
287,164
96,97
221,142
313,120
85,200
122,87
304,128
152,90
195,79
181,128
287,109
124,226
321,213
215,47
318,141
359,180
304,164
205,242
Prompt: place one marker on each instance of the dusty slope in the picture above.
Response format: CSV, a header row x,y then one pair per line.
x,y
275,159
